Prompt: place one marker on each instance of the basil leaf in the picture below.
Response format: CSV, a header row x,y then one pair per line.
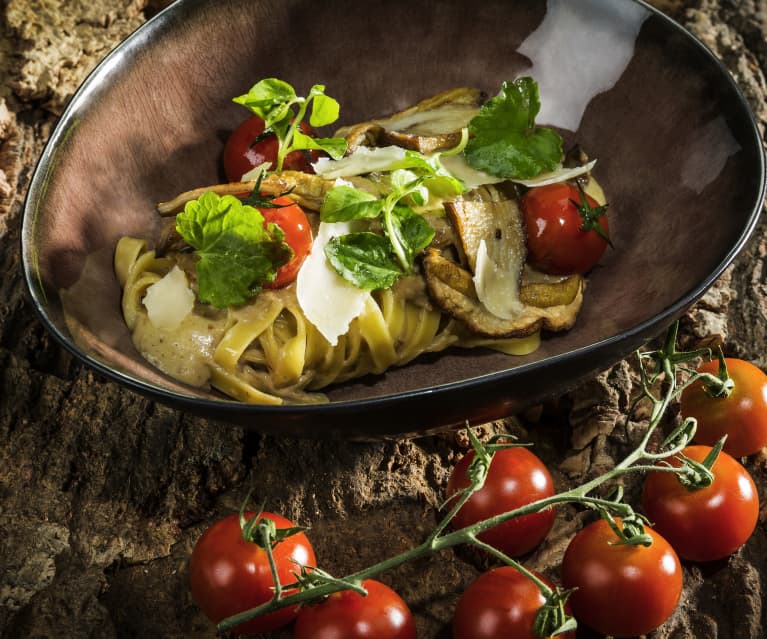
x,y
343,203
412,233
236,253
505,141
363,259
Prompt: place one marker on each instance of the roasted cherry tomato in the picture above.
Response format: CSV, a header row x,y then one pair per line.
x,y
298,235
566,229
742,416
229,575
621,590
516,478
706,523
247,147
500,604
381,614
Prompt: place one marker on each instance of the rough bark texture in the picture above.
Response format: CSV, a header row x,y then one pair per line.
x,y
103,493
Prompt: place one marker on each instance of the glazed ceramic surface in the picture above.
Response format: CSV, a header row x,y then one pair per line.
x,y
678,154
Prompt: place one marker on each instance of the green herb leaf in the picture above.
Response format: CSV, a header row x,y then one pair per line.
x,y
269,98
325,109
505,140
412,233
344,203
283,111
334,147
236,253
364,259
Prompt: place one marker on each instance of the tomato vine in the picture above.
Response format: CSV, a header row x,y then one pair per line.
x,y
660,384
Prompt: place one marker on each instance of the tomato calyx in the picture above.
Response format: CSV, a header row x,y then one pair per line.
x,y
552,619
696,475
590,215
721,385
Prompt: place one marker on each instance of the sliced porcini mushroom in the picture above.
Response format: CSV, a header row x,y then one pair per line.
x,y
492,242
542,290
432,124
491,214
451,288
305,189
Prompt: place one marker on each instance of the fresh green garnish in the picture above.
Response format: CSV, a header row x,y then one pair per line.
x,y
276,102
372,261
236,252
504,139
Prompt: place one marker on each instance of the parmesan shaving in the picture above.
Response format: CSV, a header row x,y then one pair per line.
x,y
169,300
497,286
363,160
329,302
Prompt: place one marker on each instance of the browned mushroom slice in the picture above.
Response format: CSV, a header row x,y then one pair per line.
x,y
541,289
490,214
492,242
451,288
306,189
432,124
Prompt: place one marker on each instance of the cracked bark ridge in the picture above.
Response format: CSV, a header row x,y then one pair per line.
x,y
103,493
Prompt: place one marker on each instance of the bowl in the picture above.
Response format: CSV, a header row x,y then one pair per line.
x,y
680,158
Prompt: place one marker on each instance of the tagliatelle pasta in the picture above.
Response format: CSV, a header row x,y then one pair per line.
x,y
267,352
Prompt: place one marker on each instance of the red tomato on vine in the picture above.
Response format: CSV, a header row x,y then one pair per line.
x,y
501,603
705,523
621,590
229,575
516,477
381,614
742,415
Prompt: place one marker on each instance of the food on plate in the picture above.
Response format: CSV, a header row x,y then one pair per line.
x,y
335,257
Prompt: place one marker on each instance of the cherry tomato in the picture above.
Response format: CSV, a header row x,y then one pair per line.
x,y
742,416
230,575
705,523
516,478
381,614
298,234
622,590
244,151
500,604
561,239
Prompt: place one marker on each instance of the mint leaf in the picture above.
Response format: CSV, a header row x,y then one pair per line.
x,y
364,259
236,254
344,203
504,139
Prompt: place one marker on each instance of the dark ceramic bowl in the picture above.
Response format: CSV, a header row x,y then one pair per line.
x,y
679,156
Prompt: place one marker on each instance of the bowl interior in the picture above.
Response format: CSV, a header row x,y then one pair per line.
x,y
678,155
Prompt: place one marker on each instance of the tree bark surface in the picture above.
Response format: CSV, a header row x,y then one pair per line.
x,y
104,493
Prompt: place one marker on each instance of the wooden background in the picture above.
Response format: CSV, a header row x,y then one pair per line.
x,y
103,493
